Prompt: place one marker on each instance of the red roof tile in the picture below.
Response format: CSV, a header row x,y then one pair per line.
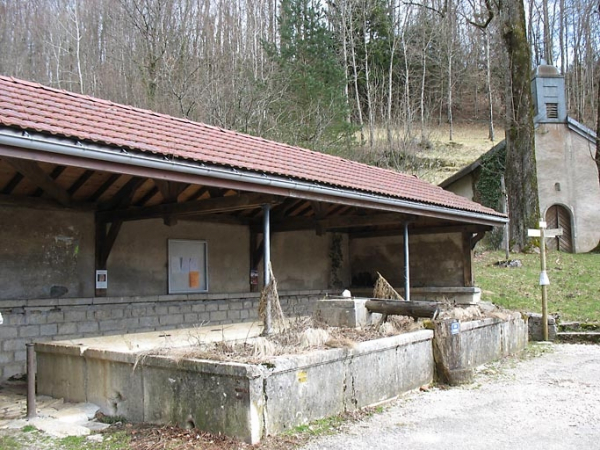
x,y
34,107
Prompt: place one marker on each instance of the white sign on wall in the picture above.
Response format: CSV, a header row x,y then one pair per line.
x,y
101,279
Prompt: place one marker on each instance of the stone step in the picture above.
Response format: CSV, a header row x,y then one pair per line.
x,y
579,336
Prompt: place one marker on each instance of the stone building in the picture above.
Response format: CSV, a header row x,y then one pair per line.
x,y
117,220
568,183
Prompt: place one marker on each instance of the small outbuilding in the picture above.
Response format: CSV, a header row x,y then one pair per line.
x,y
568,182
116,220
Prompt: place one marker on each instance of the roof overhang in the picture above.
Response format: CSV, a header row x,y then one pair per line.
x,y
55,150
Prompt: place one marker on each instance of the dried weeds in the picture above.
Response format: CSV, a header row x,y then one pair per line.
x,y
302,335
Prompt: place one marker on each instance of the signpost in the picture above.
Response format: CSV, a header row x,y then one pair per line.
x,y
543,233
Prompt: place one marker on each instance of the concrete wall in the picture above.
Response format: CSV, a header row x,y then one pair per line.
x,y
250,401
436,260
59,319
138,262
45,252
301,260
50,253
473,343
564,157
240,400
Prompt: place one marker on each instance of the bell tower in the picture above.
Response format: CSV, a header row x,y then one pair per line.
x,y
548,87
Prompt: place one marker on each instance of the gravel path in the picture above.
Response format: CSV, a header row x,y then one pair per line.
x,y
548,402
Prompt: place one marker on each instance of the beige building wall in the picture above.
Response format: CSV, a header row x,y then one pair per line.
x,y
463,187
568,176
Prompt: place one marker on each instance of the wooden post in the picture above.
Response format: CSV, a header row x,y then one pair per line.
x,y
542,233
544,280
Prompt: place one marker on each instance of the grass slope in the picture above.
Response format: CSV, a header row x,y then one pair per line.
x,y
574,290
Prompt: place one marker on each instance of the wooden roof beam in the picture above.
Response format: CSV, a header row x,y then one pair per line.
x,y
207,206
34,173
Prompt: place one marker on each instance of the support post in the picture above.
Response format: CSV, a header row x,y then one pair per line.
x,y
543,282
267,263
31,407
406,265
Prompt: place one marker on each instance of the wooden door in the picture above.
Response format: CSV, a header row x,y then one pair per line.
x,y
558,216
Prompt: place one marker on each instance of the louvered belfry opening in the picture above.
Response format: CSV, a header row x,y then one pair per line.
x,y
552,110
558,216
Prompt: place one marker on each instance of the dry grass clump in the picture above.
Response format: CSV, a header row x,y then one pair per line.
x,y
270,296
300,336
384,290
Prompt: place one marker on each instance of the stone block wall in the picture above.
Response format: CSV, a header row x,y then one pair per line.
x,y
38,320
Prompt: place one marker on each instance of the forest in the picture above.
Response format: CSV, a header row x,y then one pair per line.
x,y
361,76
363,79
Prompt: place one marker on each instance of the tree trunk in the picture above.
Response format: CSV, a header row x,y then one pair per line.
x,y
488,82
400,308
521,173
598,125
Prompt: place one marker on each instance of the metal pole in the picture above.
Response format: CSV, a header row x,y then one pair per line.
x,y
406,265
544,287
267,262
31,407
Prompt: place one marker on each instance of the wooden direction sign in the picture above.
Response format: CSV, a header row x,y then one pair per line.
x,y
548,233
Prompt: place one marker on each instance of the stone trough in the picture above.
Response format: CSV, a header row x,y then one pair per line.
x,y
244,401
125,376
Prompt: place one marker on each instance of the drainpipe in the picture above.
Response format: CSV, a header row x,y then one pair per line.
x,y
267,262
406,265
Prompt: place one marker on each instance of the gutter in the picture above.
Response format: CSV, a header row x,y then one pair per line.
x,y
103,154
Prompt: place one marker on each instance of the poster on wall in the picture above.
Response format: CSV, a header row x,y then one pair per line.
x,y
101,279
187,266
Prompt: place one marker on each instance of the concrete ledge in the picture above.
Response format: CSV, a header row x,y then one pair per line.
x,y
460,349
244,401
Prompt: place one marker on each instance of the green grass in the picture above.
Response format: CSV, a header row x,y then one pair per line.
x,y
574,290
29,438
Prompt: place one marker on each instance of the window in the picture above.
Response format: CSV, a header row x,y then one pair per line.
x,y
187,266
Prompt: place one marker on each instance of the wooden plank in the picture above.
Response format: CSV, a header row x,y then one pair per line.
x,y
104,187
124,196
34,173
170,190
85,176
12,184
56,172
422,230
208,206
151,193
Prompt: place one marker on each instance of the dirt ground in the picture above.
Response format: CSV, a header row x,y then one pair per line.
x,y
548,402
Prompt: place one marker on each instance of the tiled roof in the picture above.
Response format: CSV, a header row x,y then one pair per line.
x,y
34,107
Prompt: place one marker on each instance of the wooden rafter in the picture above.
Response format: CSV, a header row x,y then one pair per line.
x,y
208,206
83,178
13,183
56,172
104,187
125,195
34,173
